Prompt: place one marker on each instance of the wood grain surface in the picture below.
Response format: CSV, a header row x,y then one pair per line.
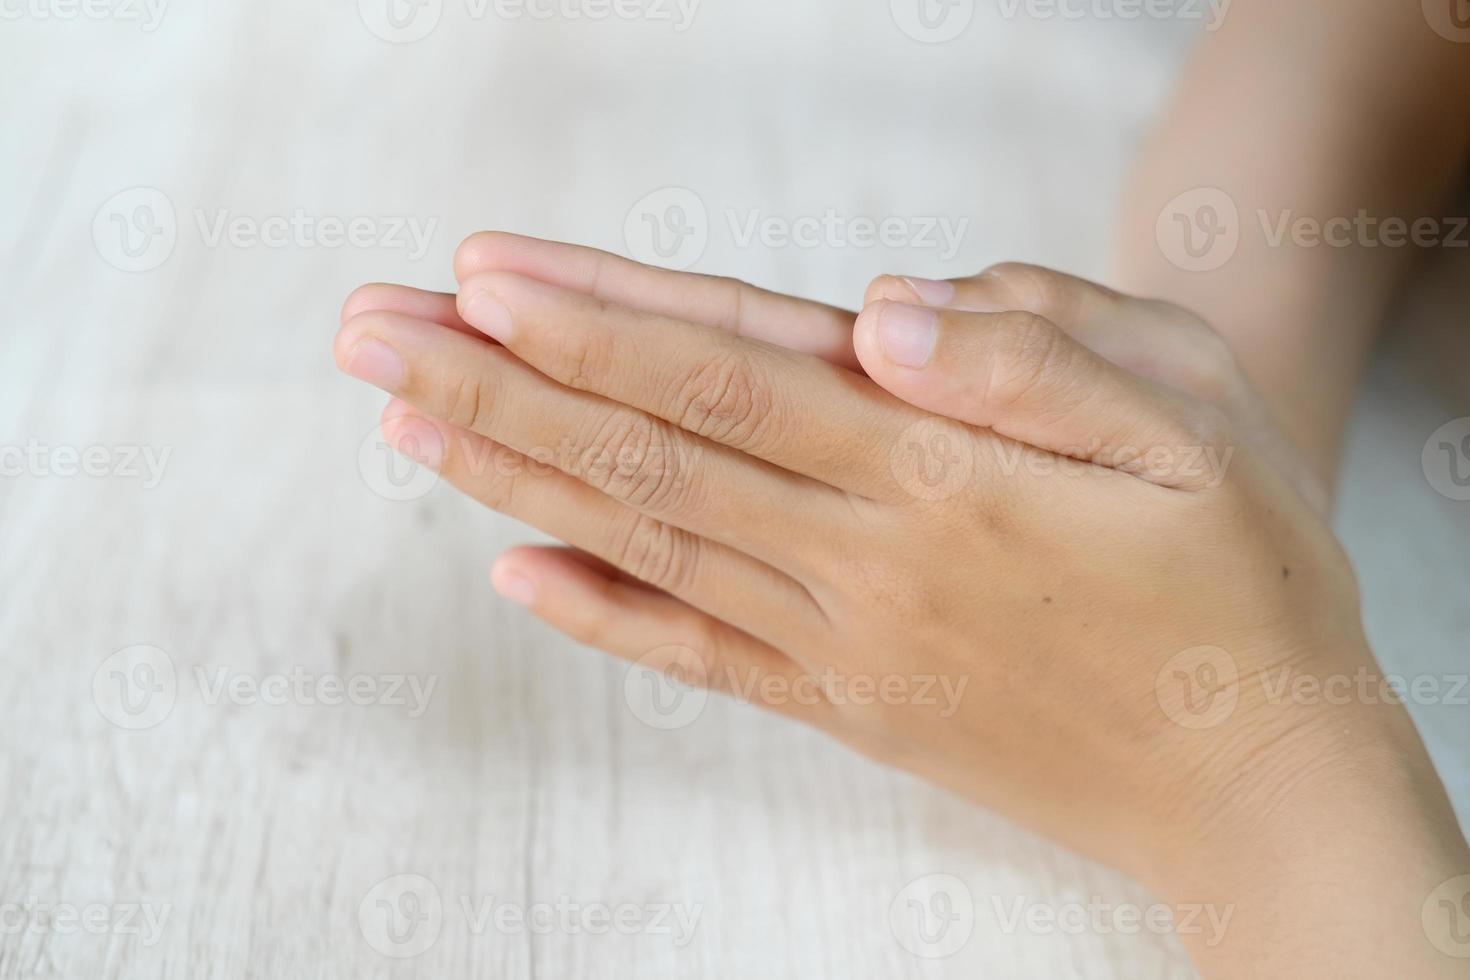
x,y
263,720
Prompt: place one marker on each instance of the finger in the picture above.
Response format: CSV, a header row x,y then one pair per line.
x,y
709,576
653,630
1023,377
640,461
791,410
1158,340
728,304
417,303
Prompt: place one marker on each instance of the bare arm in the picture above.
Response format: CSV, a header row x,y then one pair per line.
x,y
1302,108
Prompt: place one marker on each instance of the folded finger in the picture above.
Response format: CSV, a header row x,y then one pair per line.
x,y
640,461
794,411
653,630
712,301
720,581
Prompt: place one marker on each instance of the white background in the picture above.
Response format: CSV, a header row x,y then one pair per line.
x,y
263,830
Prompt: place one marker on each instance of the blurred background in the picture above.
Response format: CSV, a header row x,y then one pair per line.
x,y
264,716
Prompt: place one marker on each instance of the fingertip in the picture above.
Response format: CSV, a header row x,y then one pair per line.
x,y
369,296
485,300
483,251
910,289
513,578
414,437
887,287
396,408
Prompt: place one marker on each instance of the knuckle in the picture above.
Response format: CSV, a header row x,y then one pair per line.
x,y
1214,371
498,491
734,307
659,554
1028,287
1025,350
1209,426
469,403
724,399
587,355
640,463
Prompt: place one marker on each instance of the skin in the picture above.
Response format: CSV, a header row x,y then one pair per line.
x,y
1009,498
1322,108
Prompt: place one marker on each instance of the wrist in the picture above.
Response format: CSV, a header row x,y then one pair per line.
x,y
1326,864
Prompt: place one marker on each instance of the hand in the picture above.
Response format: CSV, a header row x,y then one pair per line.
x,y
1155,340
791,520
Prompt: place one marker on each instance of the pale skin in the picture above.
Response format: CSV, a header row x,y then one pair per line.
x,y
767,521
775,510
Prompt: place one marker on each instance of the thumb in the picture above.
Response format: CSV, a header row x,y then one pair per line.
x,y
1023,377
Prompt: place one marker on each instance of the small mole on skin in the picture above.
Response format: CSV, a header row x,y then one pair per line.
x,y
1285,572
1046,598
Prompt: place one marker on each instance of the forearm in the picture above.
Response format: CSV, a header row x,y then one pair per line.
x,y
1320,109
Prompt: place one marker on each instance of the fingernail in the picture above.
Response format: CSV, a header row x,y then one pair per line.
x,y
934,292
376,363
417,440
515,587
907,334
487,314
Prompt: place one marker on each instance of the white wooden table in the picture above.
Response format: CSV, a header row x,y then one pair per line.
x,y
199,535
